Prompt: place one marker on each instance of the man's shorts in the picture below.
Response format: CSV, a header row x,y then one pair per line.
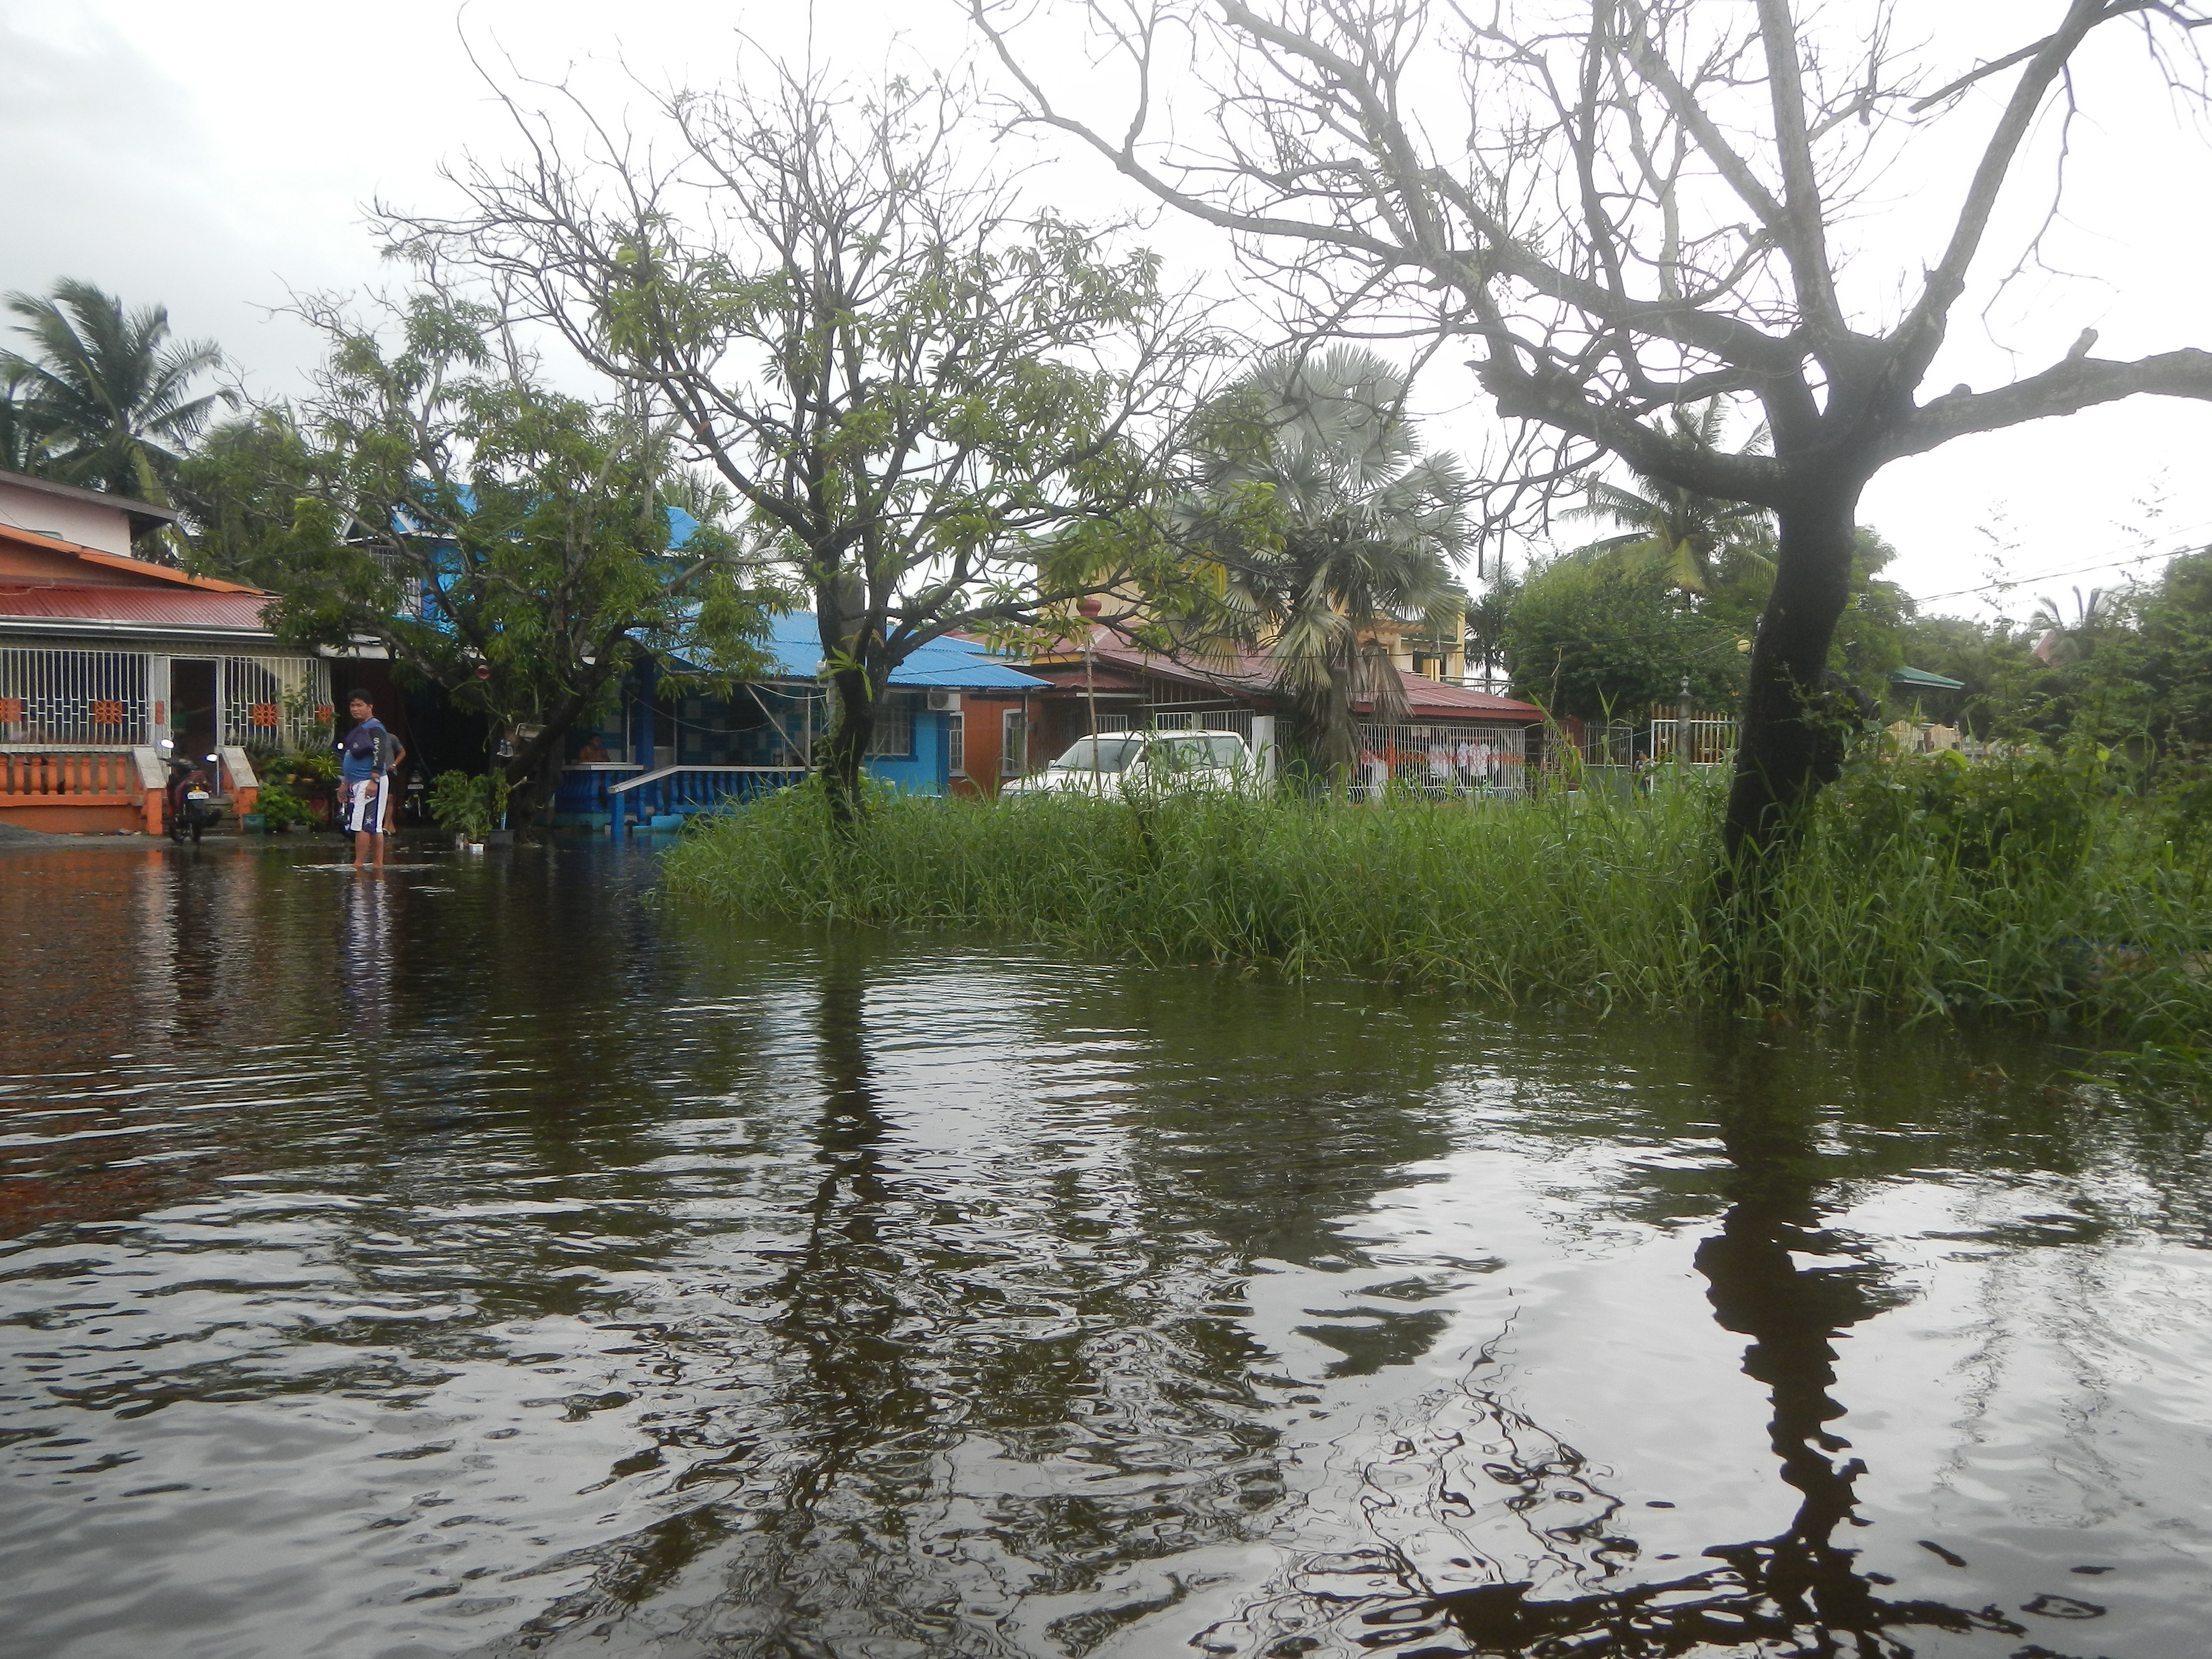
x,y
364,808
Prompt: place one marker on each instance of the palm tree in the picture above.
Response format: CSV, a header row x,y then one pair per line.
x,y
2062,642
108,391
1356,530
1683,533
22,447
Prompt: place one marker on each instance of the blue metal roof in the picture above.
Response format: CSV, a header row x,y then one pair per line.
x,y
795,644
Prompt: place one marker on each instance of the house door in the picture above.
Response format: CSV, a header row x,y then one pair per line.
x,y
194,713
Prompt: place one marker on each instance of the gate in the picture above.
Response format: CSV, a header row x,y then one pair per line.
x,y
1443,762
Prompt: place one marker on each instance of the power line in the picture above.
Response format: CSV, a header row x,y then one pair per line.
x,y
2049,576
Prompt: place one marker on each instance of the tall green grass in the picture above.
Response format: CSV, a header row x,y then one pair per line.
x,y
1901,905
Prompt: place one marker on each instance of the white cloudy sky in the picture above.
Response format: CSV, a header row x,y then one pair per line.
x,y
218,155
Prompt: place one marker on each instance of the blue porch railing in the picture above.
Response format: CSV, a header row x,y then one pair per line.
x,y
584,796
682,790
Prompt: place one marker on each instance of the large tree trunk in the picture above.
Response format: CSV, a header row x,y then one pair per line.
x,y
533,771
847,745
1793,737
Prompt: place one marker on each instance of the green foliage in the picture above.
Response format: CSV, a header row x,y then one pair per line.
x,y
105,399
472,804
2139,668
1600,639
505,541
1686,539
1987,818
1993,903
1621,633
279,806
1325,520
1991,659
313,770
942,412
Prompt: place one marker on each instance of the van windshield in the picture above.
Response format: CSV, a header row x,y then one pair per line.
x,y
1201,749
1115,754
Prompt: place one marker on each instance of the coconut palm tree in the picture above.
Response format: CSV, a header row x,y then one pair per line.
x,y
22,445
108,391
1356,531
1682,533
2063,641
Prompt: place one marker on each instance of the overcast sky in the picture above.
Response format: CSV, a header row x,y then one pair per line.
x,y
216,156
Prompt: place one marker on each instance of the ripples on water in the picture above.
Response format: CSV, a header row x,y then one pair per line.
x,y
480,1262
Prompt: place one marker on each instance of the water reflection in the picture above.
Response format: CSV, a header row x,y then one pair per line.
x,y
483,1262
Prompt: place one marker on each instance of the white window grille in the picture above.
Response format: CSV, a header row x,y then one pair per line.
x,y
1013,743
270,703
1164,718
956,744
73,696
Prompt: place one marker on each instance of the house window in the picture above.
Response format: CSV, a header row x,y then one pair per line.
x,y
1013,742
956,745
893,736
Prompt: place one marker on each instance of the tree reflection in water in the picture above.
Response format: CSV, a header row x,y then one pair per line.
x,y
1494,1536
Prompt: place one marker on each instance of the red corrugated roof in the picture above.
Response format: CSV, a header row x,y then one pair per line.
x,y
184,609
1249,675
1427,696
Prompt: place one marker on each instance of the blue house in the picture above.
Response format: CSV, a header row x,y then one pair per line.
x,y
672,749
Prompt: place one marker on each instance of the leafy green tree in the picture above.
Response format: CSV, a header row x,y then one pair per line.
x,y
1341,525
1608,640
1991,659
504,541
107,398
2137,669
1684,533
943,413
1485,618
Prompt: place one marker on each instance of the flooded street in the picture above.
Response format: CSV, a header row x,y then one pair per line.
x,y
482,1262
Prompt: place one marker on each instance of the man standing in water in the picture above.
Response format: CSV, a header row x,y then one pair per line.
x,y
367,756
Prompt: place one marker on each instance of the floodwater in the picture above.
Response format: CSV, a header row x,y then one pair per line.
x,y
477,1261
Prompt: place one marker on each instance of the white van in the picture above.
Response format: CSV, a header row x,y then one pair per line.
x,y
1119,763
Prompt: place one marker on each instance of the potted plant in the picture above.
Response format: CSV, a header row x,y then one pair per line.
x,y
471,807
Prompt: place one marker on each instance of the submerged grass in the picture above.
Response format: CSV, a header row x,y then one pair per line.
x,y
2100,931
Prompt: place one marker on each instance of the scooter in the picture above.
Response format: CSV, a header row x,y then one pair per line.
x,y
188,806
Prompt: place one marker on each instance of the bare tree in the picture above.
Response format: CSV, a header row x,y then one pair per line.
x,y
945,413
1624,207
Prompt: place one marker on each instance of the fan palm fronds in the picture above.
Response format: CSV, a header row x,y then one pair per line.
x,y
1362,530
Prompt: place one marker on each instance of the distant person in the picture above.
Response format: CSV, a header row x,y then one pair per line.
x,y
368,755
593,751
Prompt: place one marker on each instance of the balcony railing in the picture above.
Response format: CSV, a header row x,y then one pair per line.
x,y
683,791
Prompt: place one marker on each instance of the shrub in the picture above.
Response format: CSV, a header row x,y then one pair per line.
x,y
279,806
471,805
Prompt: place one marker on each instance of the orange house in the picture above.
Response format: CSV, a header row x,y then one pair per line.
x,y
102,654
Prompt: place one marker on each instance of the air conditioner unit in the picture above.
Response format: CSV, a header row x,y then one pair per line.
x,y
945,701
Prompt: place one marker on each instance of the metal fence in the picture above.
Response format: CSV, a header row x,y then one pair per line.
x,y
1441,762
73,696
273,702
109,698
1705,740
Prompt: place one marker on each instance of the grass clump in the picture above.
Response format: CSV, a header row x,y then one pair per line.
x,y
1923,889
